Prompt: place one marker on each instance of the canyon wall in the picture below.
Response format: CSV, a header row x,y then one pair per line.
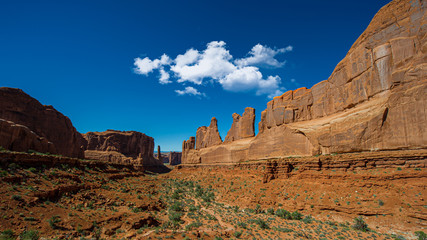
x,y
121,147
20,109
375,99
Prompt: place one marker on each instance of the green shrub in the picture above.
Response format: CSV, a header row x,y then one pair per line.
x,y
175,218
237,234
29,235
360,224
242,225
7,235
177,206
296,215
380,202
261,223
53,221
421,235
308,219
282,213
17,197
270,211
192,225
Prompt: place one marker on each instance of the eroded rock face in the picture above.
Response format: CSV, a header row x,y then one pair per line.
x,y
131,144
174,158
243,126
20,138
208,136
44,121
375,99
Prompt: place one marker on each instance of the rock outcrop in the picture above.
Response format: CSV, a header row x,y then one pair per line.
x,y
243,126
208,136
20,138
121,147
46,122
375,99
174,158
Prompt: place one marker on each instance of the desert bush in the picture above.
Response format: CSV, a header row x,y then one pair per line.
x,y
237,234
17,197
261,223
177,206
308,219
296,215
192,225
7,235
282,213
53,221
360,224
421,235
242,225
175,218
29,235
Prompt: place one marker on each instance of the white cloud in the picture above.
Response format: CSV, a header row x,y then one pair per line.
x,y
145,66
216,64
249,78
263,56
164,77
189,91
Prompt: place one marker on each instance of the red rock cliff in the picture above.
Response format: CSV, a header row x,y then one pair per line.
x,y
19,108
121,147
375,99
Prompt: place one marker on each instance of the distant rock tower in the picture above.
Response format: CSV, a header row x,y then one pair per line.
x,y
159,154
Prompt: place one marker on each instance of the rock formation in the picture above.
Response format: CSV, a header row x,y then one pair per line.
x,y
121,147
375,99
208,136
20,138
46,122
159,154
243,126
174,158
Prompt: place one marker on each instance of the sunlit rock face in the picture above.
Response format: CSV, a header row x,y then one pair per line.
x,y
375,99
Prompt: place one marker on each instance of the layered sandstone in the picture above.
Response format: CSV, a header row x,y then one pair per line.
x,y
174,158
121,147
46,122
243,126
375,99
20,138
208,136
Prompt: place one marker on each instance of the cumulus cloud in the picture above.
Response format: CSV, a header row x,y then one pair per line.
x,y
263,56
217,64
145,66
164,77
214,63
189,91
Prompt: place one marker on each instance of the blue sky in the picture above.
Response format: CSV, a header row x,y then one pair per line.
x,y
79,56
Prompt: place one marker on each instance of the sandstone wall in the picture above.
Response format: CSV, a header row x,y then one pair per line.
x,y
44,121
129,147
208,136
19,138
375,99
174,158
243,126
